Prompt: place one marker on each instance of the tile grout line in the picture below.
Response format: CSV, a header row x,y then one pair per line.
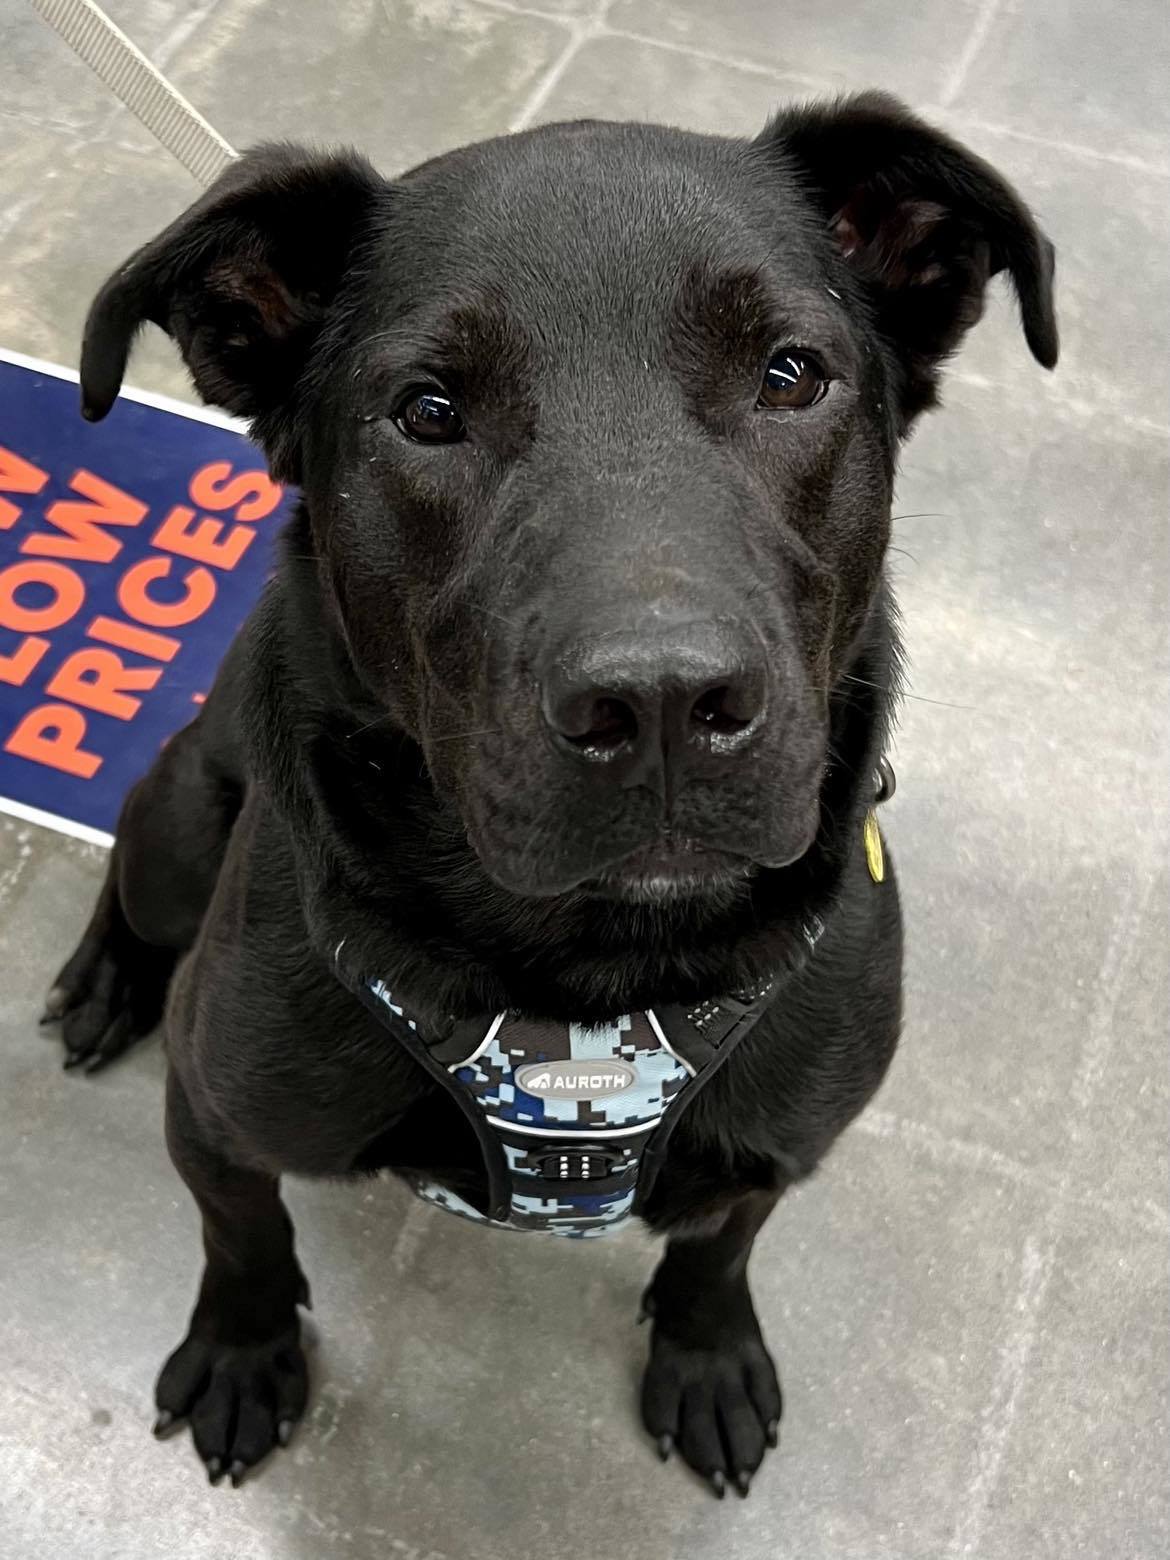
x,y
600,28
1040,1245
1069,405
597,27
416,1221
730,61
999,1414
42,122
14,214
917,1138
916,1135
544,87
183,31
12,875
819,84
518,8
969,52
1099,1044
1067,148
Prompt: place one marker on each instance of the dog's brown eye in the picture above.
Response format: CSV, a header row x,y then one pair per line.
x,y
793,381
430,417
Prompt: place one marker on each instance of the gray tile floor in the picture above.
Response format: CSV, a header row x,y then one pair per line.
x,y
969,1303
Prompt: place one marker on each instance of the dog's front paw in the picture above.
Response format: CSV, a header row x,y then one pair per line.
x,y
242,1399
719,1406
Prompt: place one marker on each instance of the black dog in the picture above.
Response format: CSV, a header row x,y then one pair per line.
x,y
566,701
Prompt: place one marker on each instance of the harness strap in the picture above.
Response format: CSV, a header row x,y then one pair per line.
x,y
143,88
405,1031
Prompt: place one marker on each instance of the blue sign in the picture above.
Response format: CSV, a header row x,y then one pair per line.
x,y
131,551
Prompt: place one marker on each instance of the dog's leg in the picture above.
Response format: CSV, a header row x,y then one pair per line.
x,y
710,1387
170,842
239,1375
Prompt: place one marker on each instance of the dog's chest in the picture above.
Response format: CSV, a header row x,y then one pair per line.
x,y
573,1109
573,1120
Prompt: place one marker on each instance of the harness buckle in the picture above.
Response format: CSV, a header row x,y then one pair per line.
x,y
578,1164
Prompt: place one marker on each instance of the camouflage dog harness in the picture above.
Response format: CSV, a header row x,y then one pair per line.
x,y
573,1120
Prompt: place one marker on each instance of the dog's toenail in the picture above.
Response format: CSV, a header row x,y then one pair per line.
x,y
665,1446
719,1483
55,1004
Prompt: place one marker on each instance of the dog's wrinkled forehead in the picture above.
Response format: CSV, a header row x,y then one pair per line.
x,y
589,235
602,239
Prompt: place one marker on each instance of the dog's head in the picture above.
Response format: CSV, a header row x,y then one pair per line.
x,y
596,427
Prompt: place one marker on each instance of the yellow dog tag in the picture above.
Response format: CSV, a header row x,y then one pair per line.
x,y
874,855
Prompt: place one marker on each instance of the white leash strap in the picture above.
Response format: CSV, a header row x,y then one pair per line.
x,y
146,92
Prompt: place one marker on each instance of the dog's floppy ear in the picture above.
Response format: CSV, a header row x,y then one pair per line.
x,y
923,223
242,281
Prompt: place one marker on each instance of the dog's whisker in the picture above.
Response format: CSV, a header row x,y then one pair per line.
x,y
457,736
839,760
488,612
945,704
920,698
543,832
377,721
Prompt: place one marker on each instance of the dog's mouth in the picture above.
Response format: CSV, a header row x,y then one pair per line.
x,y
716,842
670,870
663,866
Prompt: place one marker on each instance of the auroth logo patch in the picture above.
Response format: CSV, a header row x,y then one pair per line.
x,y
575,1080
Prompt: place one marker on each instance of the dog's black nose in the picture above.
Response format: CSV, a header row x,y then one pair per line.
x,y
674,698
